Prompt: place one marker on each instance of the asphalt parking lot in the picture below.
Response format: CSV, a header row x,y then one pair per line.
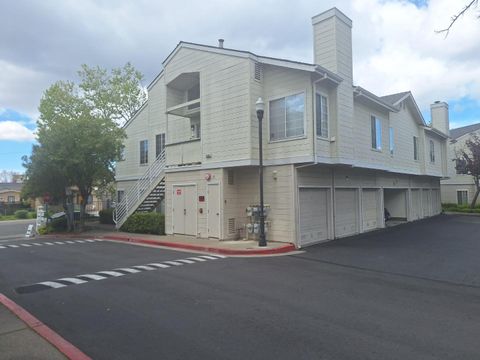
x,y
409,292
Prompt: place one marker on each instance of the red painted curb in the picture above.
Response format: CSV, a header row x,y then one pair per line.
x,y
65,347
280,250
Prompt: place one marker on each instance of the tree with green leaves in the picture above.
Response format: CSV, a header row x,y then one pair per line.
x,y
468,163
78,133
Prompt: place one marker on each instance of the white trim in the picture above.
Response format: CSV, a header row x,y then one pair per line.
x,y
333,12
321,93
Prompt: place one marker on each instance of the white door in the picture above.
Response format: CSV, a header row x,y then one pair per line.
x,y
370,209
416,204
213,210
426,202
346,212
184,210
436,201
313,213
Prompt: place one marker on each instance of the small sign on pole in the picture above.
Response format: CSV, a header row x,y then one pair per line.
x,y
40,217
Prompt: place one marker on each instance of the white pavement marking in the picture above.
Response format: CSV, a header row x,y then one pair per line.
x,y
90,240
13,246
47,243
59,242
70,242
52,284
101,275
26,245
111,273
73,280
92,276
2,247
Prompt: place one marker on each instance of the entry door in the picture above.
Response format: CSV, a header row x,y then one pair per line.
x,y
370,209
346,212
313,216
184,210
416,204
213,210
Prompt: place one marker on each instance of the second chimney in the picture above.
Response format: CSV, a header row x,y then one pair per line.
x,y
220,43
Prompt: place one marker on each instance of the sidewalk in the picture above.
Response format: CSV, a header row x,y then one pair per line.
x,y
25,338
192,243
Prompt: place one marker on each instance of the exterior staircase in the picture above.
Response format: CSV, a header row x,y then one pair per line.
x,y
145,194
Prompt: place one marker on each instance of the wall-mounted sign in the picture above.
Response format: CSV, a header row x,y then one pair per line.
x,y
179,191
201,198
208,176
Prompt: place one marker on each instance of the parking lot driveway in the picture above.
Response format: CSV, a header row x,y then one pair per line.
x,y
444,248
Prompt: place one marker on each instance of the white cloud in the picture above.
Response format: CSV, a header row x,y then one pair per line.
x,y
11,130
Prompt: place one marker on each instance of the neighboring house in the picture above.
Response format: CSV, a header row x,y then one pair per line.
x,y
10,192
458,188
336,155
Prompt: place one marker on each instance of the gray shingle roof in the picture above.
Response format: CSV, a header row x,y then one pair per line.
x,y
11,186
456,133
393,98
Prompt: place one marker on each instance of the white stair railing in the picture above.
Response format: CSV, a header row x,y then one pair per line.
x,y
139,191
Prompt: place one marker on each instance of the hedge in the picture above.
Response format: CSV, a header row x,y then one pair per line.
x,y
106,216
145,223
21,214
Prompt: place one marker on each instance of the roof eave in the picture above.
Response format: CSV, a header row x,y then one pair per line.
x,y
361,92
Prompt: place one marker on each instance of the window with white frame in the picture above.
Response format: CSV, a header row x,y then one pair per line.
x,y
287,117
391,140
321,115
11,199
432,151
144,152
159,144
122,154
120,195
376,129
415,148
462,197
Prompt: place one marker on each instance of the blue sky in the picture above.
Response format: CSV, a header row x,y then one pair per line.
x,y
45,41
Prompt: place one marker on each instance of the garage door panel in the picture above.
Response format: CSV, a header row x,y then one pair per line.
x,y
426,202
313,212
370,209
416,204
346,212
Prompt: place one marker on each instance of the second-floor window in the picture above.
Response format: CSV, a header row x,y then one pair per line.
x,y
144,152
376,124
287,117
159,144
392,140
415,148
321,116
460,166
432,151
11,199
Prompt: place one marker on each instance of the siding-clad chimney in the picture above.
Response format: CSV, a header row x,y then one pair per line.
x,y
440,119
332,47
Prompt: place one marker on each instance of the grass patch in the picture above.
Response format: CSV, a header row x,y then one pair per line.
x,y
461,208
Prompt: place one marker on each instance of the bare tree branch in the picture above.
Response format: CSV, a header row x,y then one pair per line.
x,y
456,16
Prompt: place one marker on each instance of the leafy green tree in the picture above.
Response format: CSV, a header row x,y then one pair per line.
x,y
468,163
78,133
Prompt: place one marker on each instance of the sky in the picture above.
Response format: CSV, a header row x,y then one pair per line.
x,y
395,47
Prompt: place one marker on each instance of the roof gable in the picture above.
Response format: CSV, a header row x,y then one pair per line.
x,y
464,130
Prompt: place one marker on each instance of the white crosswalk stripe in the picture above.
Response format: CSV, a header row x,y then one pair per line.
x,y
66,242
101,275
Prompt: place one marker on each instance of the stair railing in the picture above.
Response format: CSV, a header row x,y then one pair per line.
x,y
134,196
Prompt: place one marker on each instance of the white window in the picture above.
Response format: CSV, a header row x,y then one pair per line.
x,y
11,199
321,116
287,117
432,151
122,154
120,195
159,144
376,133
415,148
462,197
258,71
391,140
144,152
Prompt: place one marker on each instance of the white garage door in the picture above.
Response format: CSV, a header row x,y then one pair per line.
x,y
313,216
346,212
370,209
437,207
426,202
416,204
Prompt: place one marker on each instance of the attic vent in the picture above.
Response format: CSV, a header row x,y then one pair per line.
x,y
231,226
258,71
231,177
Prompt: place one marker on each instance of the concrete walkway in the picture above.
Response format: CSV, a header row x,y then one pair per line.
x,y
19,341
192,243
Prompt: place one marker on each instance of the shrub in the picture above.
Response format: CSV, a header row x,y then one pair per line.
x,y
58,224
21,214
106,216
42,230
145,223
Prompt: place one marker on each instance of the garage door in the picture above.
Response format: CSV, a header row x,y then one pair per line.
x,y
416,204
426,202
370,209
346,212
436,201
313,216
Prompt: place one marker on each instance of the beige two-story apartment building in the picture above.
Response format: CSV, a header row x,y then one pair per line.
x,y
336,155
459,188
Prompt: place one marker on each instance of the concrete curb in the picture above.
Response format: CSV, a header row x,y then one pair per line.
x,y
280,250
65,347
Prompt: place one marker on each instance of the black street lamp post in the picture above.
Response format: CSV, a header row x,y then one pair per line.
x,y
260,107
